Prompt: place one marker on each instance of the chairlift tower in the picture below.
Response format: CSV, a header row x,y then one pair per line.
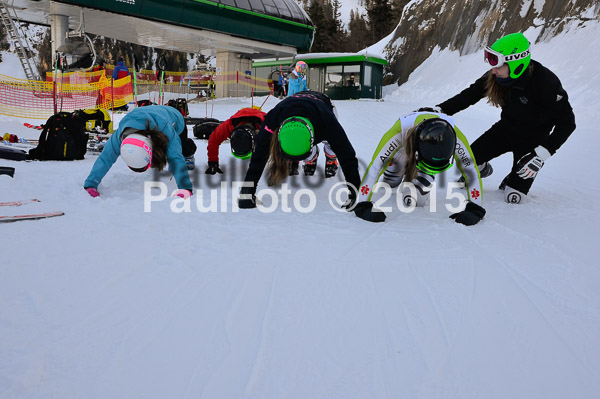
x,y
19,40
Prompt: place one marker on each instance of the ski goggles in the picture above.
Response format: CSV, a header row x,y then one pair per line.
x,y
496,59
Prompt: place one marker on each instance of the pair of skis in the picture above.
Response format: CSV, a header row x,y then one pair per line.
x,y
35,216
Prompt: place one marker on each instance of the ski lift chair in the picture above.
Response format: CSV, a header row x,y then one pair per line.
x,y
77,55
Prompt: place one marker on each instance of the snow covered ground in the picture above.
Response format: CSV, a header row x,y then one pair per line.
x,y
110,301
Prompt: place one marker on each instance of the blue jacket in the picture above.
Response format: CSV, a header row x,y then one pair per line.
x,y
296,85
120,67
166,119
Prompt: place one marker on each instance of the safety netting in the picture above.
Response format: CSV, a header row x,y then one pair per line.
x,y
69,91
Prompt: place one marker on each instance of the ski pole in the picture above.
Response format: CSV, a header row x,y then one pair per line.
x,y
265,101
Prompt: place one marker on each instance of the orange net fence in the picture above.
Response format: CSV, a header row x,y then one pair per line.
x,y
39,100
85,90
239,78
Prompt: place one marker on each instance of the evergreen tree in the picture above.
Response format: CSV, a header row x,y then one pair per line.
x,y
358,32
381,19
329,32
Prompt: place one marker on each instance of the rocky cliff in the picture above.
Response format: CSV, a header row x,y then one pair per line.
x,y
470,25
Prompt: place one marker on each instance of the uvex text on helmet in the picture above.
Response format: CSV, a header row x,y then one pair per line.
x,y
517,54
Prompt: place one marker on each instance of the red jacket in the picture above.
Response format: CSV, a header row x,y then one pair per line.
x,y
224,130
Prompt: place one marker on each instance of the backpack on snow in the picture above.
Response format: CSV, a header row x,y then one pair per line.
x,y
179,104
63,138
204,128
144,103
95,118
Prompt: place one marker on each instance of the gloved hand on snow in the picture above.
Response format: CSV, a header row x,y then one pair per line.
x,y
472,214
364,210
531,163
247,203
213,168
182,193
349,204
92,191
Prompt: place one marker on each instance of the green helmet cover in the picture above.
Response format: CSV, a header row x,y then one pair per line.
x,y
296,137
515,48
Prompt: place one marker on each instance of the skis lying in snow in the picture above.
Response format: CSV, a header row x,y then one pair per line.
x,y
19,203
29,125
4,219
34,216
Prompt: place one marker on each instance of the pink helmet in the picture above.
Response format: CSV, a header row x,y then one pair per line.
x,y
301,68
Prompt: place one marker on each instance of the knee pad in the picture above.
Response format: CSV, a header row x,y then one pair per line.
x,y
422,187
513,196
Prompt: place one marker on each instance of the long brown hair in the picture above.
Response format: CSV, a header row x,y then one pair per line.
x,y
159,145
410,164
279,167
494,91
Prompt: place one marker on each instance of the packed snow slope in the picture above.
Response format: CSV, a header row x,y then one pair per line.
x,y
110,301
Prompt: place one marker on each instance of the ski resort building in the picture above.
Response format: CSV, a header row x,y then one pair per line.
x,y
341,76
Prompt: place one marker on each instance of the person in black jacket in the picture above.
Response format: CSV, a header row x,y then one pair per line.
x,y
289,133
536,116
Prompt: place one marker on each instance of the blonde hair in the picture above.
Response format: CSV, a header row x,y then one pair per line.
x,y
279,167
494,92
410,164
497,93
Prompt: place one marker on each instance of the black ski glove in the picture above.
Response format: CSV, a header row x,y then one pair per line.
x,y
472,214
213,167
364,210
247,203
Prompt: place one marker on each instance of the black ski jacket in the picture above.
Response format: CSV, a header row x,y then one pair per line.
x,y
533,106
317,108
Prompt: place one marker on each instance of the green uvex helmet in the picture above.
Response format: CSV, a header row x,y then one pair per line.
x,y
512,49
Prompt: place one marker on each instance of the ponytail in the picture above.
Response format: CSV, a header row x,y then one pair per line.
x,y
410,164
279,167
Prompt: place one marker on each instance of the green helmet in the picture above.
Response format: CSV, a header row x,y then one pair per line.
x,y
296,138
511,49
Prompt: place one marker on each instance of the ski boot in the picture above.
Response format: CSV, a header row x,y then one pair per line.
x,y
293,168
190,162
485,170
502,185
310,165
331,166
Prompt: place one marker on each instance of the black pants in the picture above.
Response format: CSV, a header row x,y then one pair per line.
x,y
500,139
188,147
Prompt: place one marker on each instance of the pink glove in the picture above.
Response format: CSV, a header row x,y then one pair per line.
x,y
92,191
182,193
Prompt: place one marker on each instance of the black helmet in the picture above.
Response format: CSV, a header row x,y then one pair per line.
x,y
435,144
242,142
